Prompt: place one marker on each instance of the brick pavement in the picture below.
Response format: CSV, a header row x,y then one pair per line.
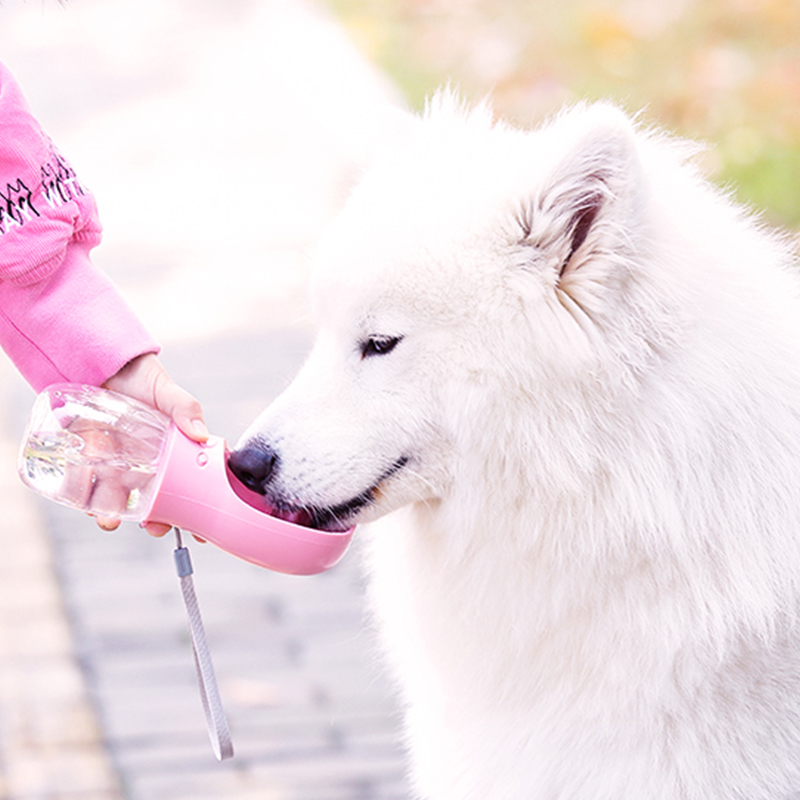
x,y
51,744
311,713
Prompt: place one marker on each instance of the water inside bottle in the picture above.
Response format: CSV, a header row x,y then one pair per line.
x,y
56,468
92,452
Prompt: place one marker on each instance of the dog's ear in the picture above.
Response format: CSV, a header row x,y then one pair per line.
x,y
587,204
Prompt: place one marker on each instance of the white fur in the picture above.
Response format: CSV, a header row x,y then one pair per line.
x,y
591,589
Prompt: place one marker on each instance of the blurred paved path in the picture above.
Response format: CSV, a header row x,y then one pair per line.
x,y
51,744
219,138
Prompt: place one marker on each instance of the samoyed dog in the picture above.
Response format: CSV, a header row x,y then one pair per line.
x,y
571,370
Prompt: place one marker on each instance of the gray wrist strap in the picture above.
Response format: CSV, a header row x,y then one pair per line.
x,y
212,704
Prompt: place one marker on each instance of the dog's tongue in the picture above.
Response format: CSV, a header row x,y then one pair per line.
x,y
258,501
298,517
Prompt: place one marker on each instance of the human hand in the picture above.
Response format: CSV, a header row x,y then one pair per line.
x,y
145,378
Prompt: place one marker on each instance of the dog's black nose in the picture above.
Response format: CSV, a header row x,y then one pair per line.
x,y
254,465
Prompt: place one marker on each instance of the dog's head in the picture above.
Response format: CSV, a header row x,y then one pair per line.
x,y
467,281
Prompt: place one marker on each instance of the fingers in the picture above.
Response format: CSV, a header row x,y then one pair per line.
x,y
157,529
107,523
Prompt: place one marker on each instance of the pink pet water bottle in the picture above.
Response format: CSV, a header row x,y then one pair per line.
x,y
110,455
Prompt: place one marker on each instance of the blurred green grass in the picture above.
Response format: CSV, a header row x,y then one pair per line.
x,y
723,71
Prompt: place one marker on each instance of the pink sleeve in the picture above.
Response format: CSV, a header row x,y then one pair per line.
x,y
71,326
60,318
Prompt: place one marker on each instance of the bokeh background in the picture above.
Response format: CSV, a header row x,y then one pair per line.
x,y
723,71
220,138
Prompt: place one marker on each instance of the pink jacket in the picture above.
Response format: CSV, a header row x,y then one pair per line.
x,y
60,318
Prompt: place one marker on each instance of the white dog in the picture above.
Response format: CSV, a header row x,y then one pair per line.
x,y
576,367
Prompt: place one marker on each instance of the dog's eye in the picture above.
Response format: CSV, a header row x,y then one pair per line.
x,y
379,345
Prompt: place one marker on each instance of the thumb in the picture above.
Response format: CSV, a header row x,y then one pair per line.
x,y
183,407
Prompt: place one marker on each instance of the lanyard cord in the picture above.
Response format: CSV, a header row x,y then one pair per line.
x,y
209,693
